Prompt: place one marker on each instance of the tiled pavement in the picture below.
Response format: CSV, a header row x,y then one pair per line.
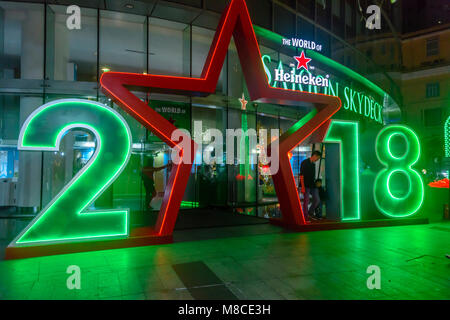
x,y
249,262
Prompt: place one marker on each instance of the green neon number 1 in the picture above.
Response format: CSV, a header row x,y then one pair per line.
x,y
66,217
394,199
346,134
447,137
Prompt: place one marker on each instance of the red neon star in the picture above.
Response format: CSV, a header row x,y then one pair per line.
x,y
236,22
302,61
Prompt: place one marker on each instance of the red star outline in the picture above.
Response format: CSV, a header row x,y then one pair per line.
x,y
236,22
302,61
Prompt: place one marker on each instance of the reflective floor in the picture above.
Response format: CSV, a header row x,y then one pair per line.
x,y
249,262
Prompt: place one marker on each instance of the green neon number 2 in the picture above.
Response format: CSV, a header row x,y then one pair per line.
x,y
65,218
404,201
346,134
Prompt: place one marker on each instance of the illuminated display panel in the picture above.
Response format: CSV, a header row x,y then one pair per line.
x,y
67,217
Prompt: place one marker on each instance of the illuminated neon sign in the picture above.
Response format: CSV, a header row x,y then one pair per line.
x,y
293,78
301,43
68,216
393,199
301,79
447,137
346,133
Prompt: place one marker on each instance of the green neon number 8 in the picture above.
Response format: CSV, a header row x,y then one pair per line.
x,y
405,197
66,217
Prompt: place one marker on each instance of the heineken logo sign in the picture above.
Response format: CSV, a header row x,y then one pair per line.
x,y
297,74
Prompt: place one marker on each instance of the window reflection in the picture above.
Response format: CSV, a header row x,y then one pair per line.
x,y
71,54
122,42
22,41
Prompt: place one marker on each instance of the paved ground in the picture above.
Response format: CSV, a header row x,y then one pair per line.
x,y
249,262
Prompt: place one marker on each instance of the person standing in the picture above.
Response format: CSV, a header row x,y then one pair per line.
x,y
308,184
149,181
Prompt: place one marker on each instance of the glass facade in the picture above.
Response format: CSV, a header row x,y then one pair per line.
x,y
42,61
